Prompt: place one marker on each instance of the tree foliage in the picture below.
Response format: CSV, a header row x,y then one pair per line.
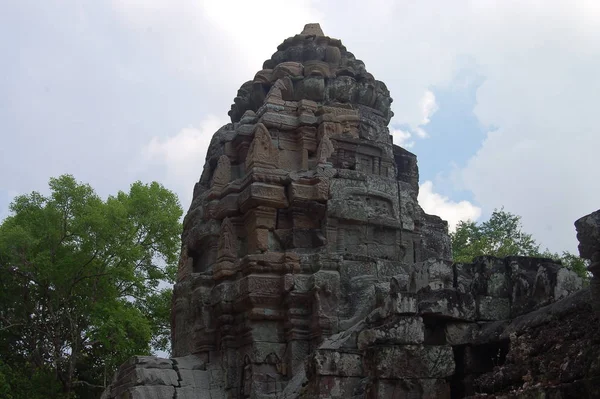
x,y
499,236
502,235
80,289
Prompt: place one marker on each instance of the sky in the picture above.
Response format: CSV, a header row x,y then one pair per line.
x,y
498,99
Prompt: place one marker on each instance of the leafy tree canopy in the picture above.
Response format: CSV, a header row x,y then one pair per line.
x,y
81,285
502,235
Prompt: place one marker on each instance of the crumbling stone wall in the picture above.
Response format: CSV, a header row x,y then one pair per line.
x,y
431,340
308,268
553,352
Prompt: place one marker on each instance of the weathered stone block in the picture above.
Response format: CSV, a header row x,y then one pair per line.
x,y
488,277
389,268
217,394
257,286
458,333
317,191
342,89
194,378
447,303
399,304
490,308
348,210
258,241
410,388
267,331
261,194
190,362
290,160
263,382
263,352
419,277
297,351
567,282
307,238
411,361
331,362
217,377
260,218
192,393
499,285
341,188
344,341
155,376
463,277
312,88
149,362
151,392
279,120
188,392
408,207
332,387
400,331
292,69
264,76
317,68
441,274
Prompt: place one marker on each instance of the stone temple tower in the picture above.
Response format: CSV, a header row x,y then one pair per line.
x,y
309,270
303,207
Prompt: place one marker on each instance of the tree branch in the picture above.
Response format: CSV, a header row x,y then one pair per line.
x,y
77,382
11,325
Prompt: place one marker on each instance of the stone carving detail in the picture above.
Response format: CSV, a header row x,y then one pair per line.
x,y
222,174
227,241
324,150
309,269
262,153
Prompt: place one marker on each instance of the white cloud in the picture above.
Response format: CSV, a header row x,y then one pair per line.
x,y
11,194
421,133
451,211
221,43
428,106
264,17
402,138
182,156
542,93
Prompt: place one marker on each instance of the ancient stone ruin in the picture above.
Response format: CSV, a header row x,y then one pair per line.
x,y
309,270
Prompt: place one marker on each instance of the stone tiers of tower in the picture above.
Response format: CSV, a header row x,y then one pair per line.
x,y
308,268
303,208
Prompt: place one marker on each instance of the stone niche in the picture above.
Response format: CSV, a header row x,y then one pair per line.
x,y
308,268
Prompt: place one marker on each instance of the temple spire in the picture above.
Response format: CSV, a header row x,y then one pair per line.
x,y
312,29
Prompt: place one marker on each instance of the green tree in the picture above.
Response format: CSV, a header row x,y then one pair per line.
x,y
502,235
499,236
81,284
